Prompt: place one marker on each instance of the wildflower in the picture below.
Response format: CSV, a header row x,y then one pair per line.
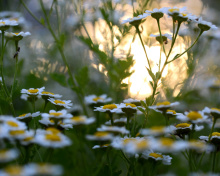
x,y
7,155
163,106
157,13
156,131
15,170
52,138
16,36
5,24
80,120
62,114
164,37
93,99
113,129
100,136
214,139
46,95
132,101
175,11
158,157
27,116
45,169
199,146
110,108
204,25
118,122
215,112
14,124
28,138
135,21
32,91
128,108
61,103
193,117
100,146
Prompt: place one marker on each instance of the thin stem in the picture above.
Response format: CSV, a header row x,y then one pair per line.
x,y
213,161
161,38
139,34
213,126
160,57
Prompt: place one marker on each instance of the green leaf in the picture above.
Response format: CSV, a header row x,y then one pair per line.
x,y
60,78
62,39
151,74
42,21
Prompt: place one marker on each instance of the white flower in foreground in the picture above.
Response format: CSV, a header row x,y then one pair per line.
x,y
205,25
135,20
100,136
45,95
193,117
61,103
28,115
93,99
15,170
184,128
52,139
14,124
118,122
7,155
32,91
5,24
45,169
215,112
113,129
149,154
79,120
156,131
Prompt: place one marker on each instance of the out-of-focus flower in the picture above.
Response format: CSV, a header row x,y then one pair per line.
x,y
136,20
110,108
23,117
200,146
164,37
7,155
61,103
94,100
174,11
156,131
163,106
215,112
45,95
62,114
157,13
5,24
14,124
158,157
32,91
185,128
41,169
205,25
118,122
113,129
100,136
16,36
15,170
214,139
193,117
80,120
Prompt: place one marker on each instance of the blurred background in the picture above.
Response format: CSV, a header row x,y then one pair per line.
x,y
107,55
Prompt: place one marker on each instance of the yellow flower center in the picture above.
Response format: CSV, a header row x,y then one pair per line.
x,y
13,170
52,121
196,143
3,154
174,112
56,114
215,109
17,132
130,104
215,134
163,103
172,10
22,115
12,124
126,141
33,90
27,139
167,142
101,134
97,98
52,137
142,144
59,101
16,33
157,128
2,22
183,125
184,14
193,115
47,93
156,155
109,106
53,130
78,119
14,19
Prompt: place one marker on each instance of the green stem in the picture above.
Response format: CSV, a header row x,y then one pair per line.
x,y
161,38
213,126
142,43
213,161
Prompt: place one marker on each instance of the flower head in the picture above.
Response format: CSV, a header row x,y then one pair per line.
x,y
164,37
135,21
7,155
5,24
193,117
93,99
32,91
113,129
157,13
204,25
61,103
45,95
80,120
16,36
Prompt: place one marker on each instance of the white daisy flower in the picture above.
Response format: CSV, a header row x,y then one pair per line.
x,y
100,136
15,170
149,154
132,101
135,20
204,25
16,36
118,122
5,24
128,108
28,115
185,128
164,37
215,138
46,121
175,10
45,95
7,155
157,13
200,146
163,106
14,124
215,112
27,97
112,108
193,117
156,131
32,91
62,114
51,139
45,169
80,120
93,99
61,103
113,129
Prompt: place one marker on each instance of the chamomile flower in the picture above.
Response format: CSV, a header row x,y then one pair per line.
x,y
156,131
164,37
173,11
93,99
215,112
118,122
163,106
185,128
128,108
52,139
61,103
113,129
80,120
111,108
16,36
45,169
157,13
5,24
204,25
23,117
7,155
14,124
45,95
158,157
15,170
62,114
193,117
100,136
32,91
135,20
214,139
28,138
199,146
132,101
